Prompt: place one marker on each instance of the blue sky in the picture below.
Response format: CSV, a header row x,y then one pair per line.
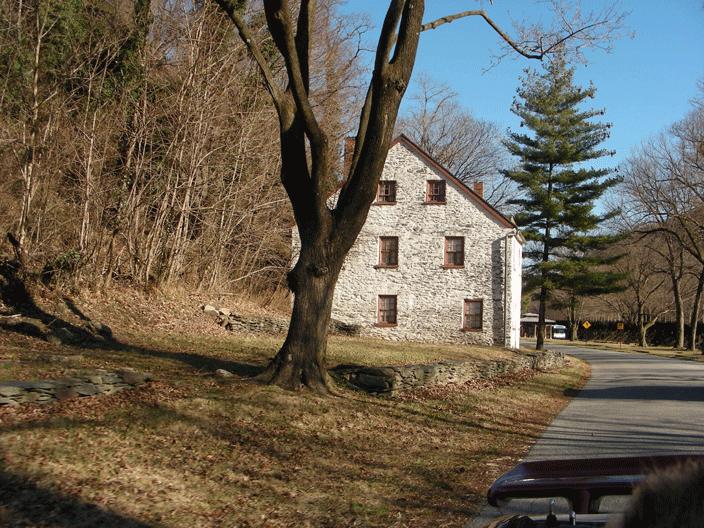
x,y
644,84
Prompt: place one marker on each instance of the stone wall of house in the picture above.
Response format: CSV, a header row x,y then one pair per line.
x,y
90,384
430,299
398,378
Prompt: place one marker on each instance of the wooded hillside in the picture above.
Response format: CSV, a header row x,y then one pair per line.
x,y
138,144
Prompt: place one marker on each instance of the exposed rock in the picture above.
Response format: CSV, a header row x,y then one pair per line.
x,y
48,385
235,322
86,389
342,328
65,335
133,377
100,329
73,358
210,310
30,397
10,390
222,373
54,339
66,393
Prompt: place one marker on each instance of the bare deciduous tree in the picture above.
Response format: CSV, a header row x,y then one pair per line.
x,y
327,235
664,186
642,303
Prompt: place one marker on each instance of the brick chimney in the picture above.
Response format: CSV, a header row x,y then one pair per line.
x,y
348,154
478,188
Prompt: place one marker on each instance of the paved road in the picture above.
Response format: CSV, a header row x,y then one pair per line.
x,y
633,404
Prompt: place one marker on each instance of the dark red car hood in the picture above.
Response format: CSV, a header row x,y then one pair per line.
x,y
583,482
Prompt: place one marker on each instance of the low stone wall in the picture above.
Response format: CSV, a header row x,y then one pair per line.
x,y
396,378
91,384
265,325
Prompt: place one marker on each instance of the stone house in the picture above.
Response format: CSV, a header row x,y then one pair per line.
x,y
433,262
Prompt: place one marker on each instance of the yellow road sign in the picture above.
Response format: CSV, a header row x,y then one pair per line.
x,y
619,326
587,325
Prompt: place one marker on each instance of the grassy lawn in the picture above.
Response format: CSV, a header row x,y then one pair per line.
x,y
193,451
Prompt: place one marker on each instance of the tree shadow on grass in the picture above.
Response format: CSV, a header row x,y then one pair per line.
x,y
29,319
26,503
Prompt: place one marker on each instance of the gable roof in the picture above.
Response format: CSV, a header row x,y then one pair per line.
x,y
480,202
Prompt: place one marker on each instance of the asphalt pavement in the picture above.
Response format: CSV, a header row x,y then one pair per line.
x,y
634,404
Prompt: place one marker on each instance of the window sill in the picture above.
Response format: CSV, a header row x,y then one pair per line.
x,y
471,329
447,266
435,203
383,266
385,325
383,203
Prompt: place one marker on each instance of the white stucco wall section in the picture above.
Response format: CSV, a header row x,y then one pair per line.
x,y
430,299
514,293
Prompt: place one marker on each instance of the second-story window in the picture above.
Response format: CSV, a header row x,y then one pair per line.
x,y
454,252
386,192
388,252
435,192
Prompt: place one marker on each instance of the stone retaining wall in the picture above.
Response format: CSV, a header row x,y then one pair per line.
x,y
395,378
90,384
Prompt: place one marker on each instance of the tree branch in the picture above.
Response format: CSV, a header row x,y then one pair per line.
x,y
303,39
480,12
247,37
534,52
278,18
389,82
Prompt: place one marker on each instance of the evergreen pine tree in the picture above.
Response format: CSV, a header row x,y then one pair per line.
x,y
558,192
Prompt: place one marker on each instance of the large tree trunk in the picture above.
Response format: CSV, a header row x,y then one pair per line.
x,y
574,327
540,329
679,312
326,235
643,334
574,323
696,310
301,361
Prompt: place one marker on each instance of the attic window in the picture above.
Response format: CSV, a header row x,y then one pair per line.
x,y
435,192
472,316
387,310
454,252
386,192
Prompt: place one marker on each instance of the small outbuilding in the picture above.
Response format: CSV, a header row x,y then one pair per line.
x,y
529,325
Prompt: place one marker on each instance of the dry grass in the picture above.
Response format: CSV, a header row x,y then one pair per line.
x,y
192,451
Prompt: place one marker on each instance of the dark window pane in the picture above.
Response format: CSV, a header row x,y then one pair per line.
x,y
473,315
387,309
386,192
454,251
436,191
388,251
